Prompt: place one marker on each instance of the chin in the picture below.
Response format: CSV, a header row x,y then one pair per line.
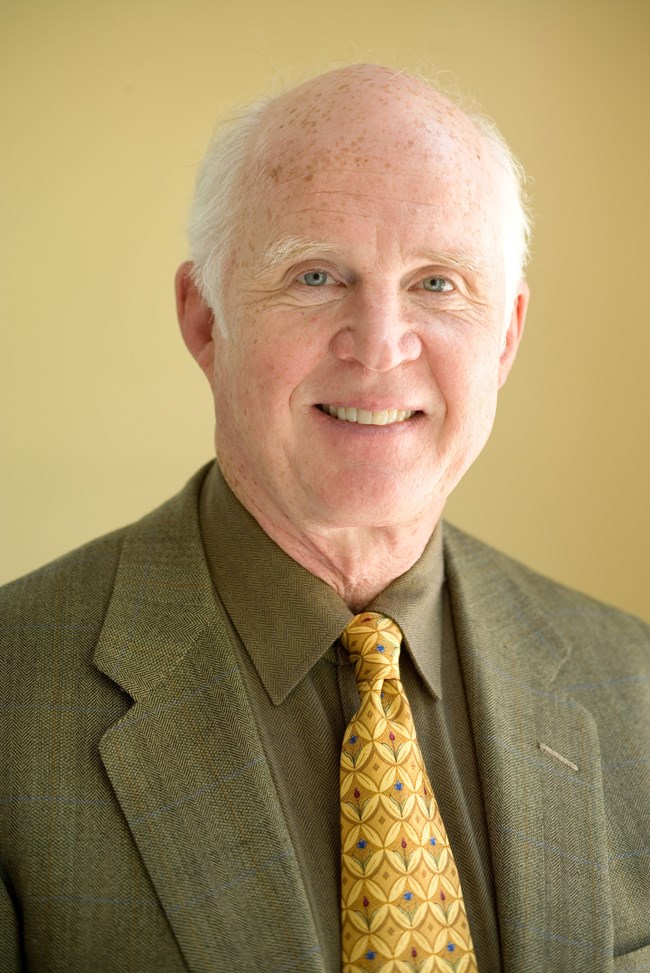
x,y
379,504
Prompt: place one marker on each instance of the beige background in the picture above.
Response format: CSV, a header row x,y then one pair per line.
x,y
106,110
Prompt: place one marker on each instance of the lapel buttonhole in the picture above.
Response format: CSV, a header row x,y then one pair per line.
x,y
556,756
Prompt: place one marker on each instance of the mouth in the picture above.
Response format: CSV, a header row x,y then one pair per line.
x,y
386,417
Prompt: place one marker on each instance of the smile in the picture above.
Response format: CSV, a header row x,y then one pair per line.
x,y
384,418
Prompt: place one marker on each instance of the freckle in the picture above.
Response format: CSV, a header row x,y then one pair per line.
x,y
309,177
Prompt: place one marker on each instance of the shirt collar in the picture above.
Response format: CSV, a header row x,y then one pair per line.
x,y
286,618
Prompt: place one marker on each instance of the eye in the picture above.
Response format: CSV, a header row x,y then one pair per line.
x,y
314,278
437,284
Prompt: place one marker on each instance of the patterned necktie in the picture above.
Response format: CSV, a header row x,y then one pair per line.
x,y
402,906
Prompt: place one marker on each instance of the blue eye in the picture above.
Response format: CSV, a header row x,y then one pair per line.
x,y
314,278
436,284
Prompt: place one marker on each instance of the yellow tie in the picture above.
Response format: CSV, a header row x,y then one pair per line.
x,y
402,906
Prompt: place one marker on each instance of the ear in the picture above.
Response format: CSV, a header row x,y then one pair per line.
x,y
195,318
515,330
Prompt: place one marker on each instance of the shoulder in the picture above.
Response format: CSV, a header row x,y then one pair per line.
x,y
80,579
528,630
516,588
72,593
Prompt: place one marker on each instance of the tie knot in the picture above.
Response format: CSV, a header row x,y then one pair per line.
x,y
373,643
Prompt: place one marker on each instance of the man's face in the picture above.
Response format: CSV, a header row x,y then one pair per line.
x,y
367,284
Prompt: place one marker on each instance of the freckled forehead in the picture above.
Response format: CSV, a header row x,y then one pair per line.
x,y
364,118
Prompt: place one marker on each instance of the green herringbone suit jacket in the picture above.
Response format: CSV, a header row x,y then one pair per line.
x,y
139,826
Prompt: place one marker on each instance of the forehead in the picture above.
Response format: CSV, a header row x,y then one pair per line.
x,y
365,145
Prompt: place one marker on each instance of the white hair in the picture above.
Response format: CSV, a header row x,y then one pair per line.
x,y
517,216
217,209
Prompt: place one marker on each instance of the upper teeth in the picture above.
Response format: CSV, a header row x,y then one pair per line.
x,y
383,418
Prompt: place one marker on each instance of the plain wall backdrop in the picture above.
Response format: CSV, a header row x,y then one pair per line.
x,y
106,111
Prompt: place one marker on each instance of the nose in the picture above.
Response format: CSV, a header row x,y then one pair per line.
x,y
377,335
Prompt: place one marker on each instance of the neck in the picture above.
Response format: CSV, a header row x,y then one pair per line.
x,y
357,562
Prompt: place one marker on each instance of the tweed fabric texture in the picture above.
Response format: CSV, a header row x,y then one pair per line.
x,y
141,828
401,902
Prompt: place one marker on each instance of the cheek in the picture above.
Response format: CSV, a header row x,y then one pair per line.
x,y
465,370
261,374
285,350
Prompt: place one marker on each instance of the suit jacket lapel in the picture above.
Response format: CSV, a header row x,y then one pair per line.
x,y
539,760
187,765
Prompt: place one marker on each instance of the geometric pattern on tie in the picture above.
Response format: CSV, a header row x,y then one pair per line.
x,y
402,906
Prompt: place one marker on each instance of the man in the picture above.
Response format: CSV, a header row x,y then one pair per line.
x,y
177,694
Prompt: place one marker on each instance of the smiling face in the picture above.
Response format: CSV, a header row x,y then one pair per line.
x,y
366,308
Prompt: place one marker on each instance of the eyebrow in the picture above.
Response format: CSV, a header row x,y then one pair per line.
x,y
459,260
289,249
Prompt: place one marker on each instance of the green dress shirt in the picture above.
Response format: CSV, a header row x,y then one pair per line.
x,y
303,692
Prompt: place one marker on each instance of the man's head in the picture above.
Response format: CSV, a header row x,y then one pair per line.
x,y
373,264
